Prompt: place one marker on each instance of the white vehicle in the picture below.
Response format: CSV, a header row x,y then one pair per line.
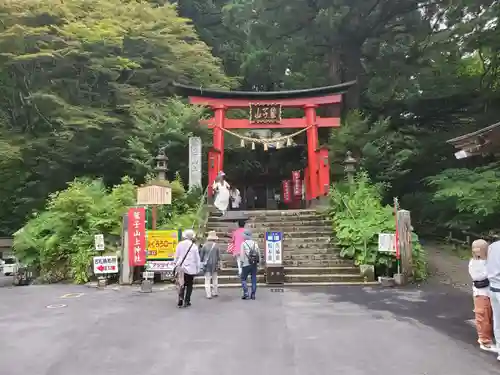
x,y
10,266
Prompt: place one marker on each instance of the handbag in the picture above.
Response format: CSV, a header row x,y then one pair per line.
x,y
204,264
174,273
479,284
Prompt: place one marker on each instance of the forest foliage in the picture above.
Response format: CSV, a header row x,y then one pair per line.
x,y
86,91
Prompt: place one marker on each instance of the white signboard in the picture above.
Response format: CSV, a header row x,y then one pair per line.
x,y
194,162
387,242
105,264
152,195
274,248
160,265
99,242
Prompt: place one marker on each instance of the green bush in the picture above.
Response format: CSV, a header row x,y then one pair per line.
x,y
60,240
358,217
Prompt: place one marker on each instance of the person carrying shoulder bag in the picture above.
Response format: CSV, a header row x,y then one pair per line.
x,y
210,258
187,266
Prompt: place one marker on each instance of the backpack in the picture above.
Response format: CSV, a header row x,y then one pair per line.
x,y
253,255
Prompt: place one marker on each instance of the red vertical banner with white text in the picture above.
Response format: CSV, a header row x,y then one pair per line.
x,y
297,184
287,193
137,236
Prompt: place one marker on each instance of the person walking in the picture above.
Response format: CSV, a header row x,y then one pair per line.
x,y
480,289
235,198
210,258
249,260
493,268
187,266
222,195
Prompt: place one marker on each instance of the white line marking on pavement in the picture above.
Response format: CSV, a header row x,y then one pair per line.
x,y
56,306
73,295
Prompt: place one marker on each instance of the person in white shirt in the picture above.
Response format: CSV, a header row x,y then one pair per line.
x,y
481,292
187,266
235,198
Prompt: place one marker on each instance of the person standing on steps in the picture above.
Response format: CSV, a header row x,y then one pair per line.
x,y
249,259
210,258
237,238
222,194
187,266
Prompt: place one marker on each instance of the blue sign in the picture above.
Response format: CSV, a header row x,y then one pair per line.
x,y
274,248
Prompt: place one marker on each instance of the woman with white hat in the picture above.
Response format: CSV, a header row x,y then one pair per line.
x,y
187,266
210,258
221,189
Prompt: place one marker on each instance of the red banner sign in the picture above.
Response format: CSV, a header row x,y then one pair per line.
x,y
297,184
287,194
137,236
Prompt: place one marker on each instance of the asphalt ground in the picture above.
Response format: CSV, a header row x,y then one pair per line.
x,y
355,330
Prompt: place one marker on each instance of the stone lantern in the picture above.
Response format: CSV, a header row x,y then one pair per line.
x,y
350,167
161,164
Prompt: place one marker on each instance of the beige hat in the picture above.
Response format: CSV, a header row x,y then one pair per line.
x,y
212,235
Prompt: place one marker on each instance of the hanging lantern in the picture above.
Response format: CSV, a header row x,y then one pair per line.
x,y
288,142
253,145
242,143
265,146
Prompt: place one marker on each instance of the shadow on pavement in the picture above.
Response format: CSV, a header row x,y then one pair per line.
x,y
441,307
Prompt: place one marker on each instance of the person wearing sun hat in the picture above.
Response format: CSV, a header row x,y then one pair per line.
x,y
210,259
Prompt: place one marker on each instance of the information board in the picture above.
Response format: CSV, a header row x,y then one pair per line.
x,y
274,252
161,244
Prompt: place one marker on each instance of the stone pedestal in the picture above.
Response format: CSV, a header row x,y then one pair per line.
x,y
400,279
367,272
147,286
102,282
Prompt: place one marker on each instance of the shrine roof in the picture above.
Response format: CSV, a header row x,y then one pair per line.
x,y
186,90
481,141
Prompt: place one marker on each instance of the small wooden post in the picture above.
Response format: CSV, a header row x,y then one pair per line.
x,y
405,246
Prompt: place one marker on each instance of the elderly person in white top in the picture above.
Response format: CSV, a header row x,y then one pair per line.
x,y
210,258
493,268
187,266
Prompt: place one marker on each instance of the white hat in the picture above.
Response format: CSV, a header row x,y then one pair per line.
x,y
212,235
188,234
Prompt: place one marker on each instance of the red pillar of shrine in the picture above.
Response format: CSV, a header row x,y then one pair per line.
x,y
218,134
312,148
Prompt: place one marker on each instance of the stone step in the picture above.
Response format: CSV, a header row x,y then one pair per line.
x,y
295,256
321,278
228,279
320,232
309,263
337,270
272,222
316,240
299,270
317,263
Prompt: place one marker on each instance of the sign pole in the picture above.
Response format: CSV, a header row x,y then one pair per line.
x,y
154,214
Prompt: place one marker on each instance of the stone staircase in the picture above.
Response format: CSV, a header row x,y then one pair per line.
x,y
309,257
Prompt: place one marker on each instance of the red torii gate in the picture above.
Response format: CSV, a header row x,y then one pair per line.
x,y
265,113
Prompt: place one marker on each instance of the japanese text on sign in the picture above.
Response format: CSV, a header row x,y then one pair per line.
x,y
161,244
274,252
287,196
265,113
297,184
157,266
105,264
137,236
387,242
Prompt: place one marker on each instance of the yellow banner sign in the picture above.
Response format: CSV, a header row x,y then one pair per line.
x,y
162,244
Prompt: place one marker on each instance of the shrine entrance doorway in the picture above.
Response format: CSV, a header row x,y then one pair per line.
x,y
265,112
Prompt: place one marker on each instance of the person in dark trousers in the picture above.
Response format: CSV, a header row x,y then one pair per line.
x,y
187,266
249,260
